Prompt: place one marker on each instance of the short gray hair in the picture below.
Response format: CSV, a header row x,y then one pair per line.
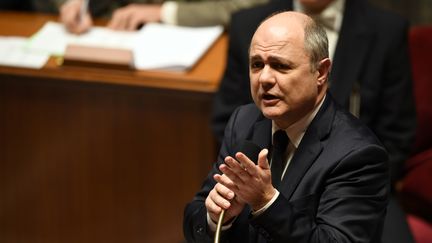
x,y
316,43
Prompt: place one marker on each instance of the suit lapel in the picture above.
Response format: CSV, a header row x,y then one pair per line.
x,y
261,134
309,148
355,39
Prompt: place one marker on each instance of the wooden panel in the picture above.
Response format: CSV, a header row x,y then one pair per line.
x,y
98,163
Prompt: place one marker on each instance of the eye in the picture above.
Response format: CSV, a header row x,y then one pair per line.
x,y
280,66
256,65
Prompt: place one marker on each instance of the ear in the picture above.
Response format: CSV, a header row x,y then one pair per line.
x,y
324,67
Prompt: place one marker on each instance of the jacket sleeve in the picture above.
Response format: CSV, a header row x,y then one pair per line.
x,y
211,12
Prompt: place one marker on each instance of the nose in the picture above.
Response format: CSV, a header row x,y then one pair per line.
x,y
266,77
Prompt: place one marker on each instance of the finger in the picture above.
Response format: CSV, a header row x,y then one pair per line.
x,y
228,183
70,20
218,198
114,22
224,192
234,171
211,206
118,20
84,25
69,13
134,22
243,166
127,15
247,164
224,196
262,160
234,164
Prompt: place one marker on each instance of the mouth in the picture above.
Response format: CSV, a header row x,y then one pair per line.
x,y
270,99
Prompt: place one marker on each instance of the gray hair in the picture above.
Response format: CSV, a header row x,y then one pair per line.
x,y
315,43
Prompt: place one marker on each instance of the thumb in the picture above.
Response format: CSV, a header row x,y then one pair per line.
x,y
262,160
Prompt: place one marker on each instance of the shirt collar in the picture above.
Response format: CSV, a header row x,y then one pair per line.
x,y
334,11
297,130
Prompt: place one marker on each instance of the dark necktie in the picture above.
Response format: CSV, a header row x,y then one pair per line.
x,y
280,142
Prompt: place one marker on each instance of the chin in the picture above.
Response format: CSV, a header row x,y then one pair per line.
x,y
271,112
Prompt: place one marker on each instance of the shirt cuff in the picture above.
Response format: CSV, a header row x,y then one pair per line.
x,y
261,210
212,225
169,13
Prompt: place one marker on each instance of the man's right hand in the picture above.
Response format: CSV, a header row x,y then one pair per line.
x,y
70,16
220,197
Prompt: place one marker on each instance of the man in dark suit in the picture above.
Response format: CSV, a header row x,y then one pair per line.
x,y
332,183
370,68
370,76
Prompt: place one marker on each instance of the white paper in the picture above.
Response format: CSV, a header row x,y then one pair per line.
x,y
14,52
155,46
170,47
53,38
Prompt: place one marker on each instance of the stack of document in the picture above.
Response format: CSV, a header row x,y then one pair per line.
x,y
14,52
171,47
155,46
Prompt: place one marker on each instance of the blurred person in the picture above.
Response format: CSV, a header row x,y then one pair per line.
x,y
371,77
130,15
333,186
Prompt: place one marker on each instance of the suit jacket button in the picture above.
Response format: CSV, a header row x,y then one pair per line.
x,y
200,229
265,234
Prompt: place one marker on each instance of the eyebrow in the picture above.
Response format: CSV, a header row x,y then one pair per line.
x,y
271,59
255,58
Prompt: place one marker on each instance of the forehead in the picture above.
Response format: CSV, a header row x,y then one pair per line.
x,y
277,40
279,32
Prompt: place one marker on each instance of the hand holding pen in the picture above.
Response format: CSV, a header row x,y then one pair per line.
x,y
75,16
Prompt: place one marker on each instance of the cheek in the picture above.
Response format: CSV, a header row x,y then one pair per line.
x,y
254,86
299,90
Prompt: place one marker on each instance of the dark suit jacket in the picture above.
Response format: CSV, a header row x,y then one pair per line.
x,y
372,53
335,188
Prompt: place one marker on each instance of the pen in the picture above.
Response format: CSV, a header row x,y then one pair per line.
x,y
84,8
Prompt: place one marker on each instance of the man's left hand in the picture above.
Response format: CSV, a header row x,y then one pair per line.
x,y
250,182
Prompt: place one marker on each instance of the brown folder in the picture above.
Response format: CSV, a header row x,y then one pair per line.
x,y
89,56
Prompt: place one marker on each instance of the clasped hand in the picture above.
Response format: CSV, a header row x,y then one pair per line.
x,y
241,183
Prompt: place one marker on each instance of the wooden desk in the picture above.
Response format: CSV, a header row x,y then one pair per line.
x,y
95,155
